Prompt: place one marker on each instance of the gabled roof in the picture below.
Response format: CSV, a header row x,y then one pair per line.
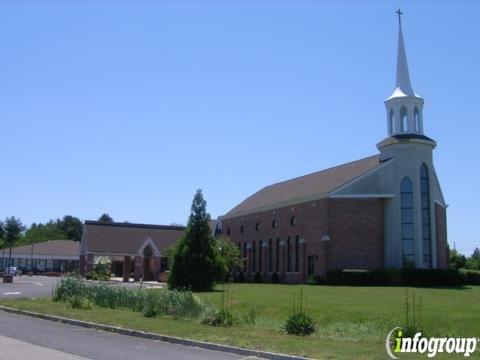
x,y
303,188
51,247
126,238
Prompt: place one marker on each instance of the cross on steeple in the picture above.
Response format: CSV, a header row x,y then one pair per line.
x,y
400,13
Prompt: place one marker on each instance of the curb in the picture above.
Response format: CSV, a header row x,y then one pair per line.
x,y
154,336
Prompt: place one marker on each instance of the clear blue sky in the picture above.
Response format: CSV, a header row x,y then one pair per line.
x,y
128,108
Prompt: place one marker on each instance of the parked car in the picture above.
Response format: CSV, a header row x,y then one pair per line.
x,y
12,270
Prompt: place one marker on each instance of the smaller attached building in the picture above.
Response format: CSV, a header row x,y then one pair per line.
x,y
133,248
52,255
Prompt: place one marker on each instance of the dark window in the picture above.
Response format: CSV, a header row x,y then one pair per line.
x,y
240,250
260,249
293,221
297,255
228,232
241,229
311,265
416,118
274,224
289,255
408,232
163,264
404,119
218,230
257,227
277,256
270,256
254,257
426,236
392,122
245,257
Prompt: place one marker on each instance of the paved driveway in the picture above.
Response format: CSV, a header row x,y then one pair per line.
x,y
28,286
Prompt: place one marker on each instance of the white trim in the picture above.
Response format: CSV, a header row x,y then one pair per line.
x,y
359,196
437,182
445,206
150,242
364,175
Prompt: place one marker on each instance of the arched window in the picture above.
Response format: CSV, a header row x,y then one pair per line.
x,y
257,227
254,257
416,119
404,119
289,255
245,257
270,256
242,229
219,230
293,221
392,122
260,250
274,224
407,217
426,236
277,256
297,255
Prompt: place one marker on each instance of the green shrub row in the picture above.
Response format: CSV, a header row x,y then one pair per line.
x,y
404,277
472,276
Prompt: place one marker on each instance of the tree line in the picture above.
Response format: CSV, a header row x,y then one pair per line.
x,y
14,233
459,261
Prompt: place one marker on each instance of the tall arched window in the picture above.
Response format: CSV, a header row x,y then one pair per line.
x,y
245,256
289,255
277,256
297,255
426,236
408,231
270,256
404,119
416,119
260,251
254,256
392,122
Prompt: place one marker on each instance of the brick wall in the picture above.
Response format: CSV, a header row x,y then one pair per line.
x,y
355,227
441,230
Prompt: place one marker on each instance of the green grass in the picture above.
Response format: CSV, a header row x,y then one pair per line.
x,y
352,322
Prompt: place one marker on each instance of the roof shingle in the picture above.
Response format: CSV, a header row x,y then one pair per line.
x,y
300,188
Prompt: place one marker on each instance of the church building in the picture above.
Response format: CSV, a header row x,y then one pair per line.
x,y
383,211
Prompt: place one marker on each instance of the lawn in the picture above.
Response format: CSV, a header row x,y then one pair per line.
x,y
352,322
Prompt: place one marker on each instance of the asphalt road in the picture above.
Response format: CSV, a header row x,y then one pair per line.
x,y
23,337
42,286
28,286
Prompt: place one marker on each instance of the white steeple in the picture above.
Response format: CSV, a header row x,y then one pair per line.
x,y
403,77
404,106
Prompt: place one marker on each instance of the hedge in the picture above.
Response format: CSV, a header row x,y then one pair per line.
x,y
472,276
404,277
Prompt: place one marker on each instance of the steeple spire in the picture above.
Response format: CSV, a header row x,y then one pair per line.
x,y
404,107
403,76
